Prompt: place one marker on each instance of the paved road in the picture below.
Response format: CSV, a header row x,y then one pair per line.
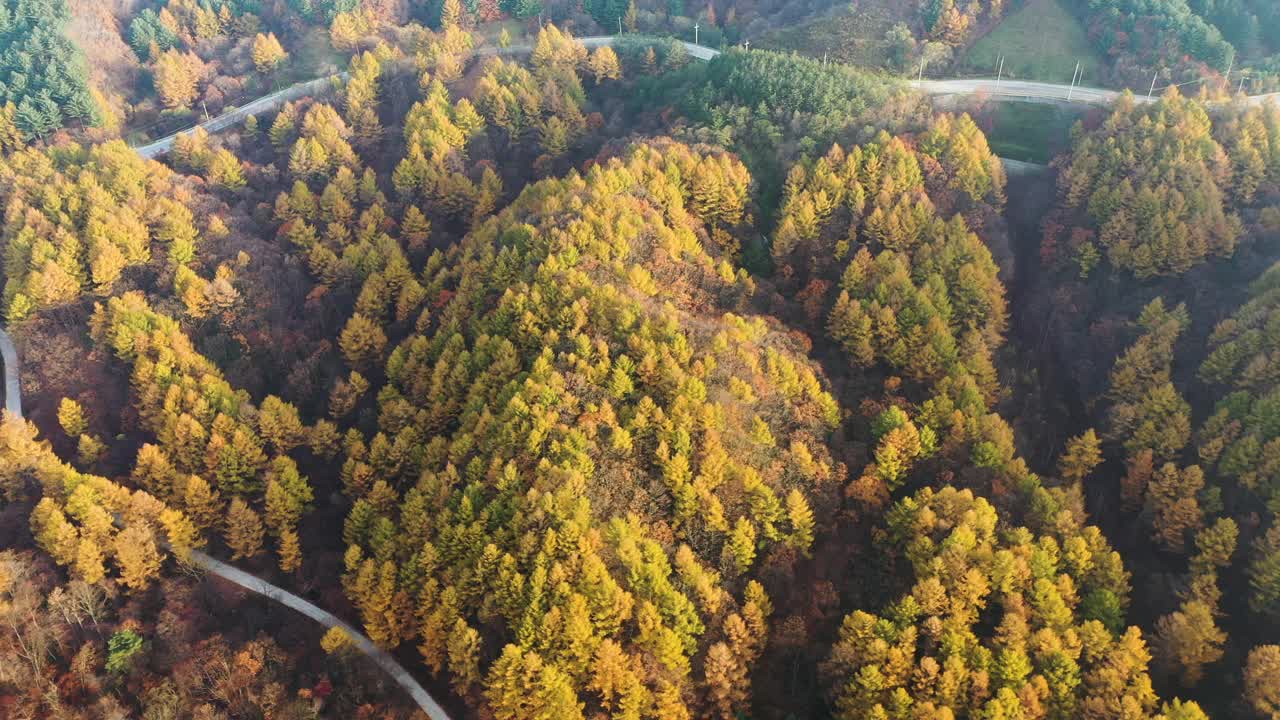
x,y
700,52
1018,167
1027,91
12,388
364,644
266,103
1010,90
13,404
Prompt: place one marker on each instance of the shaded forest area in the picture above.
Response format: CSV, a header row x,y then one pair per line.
x,y
1170,376
612,384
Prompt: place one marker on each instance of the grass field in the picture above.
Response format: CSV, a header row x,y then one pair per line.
x,y
1041,41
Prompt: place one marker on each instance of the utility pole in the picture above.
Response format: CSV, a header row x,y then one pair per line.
x,y
1074,77
824,61
1152,91
1229,66
1000,73
746,44
921,77
204,105
1241,88
695,32
619,24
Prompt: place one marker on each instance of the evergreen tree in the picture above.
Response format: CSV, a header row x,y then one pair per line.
x,y
45,77
290,552
267,53
138,557
362,342
71,418
1082,455
450,14
177,76
604,64
1262,681
244,532
1189,639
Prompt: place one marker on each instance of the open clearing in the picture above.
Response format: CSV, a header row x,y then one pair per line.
x,y
852,35
1040,41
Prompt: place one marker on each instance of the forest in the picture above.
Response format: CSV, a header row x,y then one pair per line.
x,y
610,383
43,77
1185,39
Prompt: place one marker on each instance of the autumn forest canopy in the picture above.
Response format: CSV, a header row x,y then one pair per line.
x,y
611,383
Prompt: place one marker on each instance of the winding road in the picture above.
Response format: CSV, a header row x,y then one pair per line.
x,y
252,583
997,89
379,656
267,103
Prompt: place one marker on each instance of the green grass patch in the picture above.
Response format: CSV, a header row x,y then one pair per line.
x,y
1040,41
846,34
1029,132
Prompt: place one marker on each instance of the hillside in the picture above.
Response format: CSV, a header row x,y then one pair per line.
x,y
612,382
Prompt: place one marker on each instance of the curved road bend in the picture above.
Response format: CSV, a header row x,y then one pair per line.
x,y
328,619
13,404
